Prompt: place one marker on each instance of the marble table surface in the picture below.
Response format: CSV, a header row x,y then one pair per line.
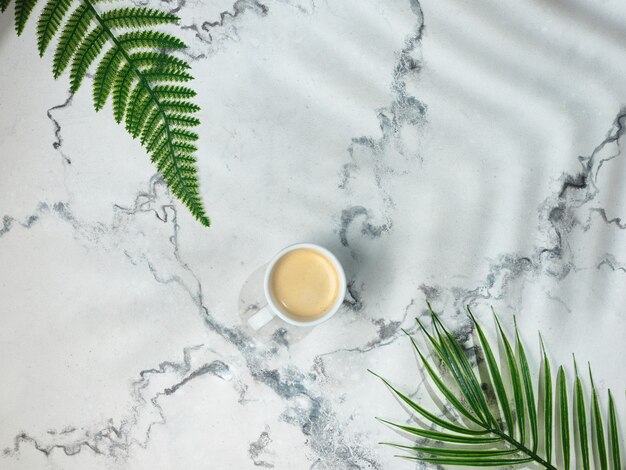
x,y
446,151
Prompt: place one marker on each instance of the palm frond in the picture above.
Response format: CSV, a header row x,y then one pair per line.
x,y
476,437
135,67
518,393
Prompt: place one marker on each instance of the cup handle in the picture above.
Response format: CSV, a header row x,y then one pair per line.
x,y
261,318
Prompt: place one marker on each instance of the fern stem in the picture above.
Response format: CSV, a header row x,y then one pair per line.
x,y
522,448
146,84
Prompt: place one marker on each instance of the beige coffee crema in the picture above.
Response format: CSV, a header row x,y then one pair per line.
x,y
305,284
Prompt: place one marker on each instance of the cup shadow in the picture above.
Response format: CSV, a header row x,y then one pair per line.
x,y
276,332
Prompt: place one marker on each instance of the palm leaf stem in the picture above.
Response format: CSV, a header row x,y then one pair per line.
x,y
522,448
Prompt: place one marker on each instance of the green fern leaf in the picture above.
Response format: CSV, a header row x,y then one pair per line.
x,y
173,91
136,17
138,98
23,9
138,70
153,121
502,445
183,107
158,74
161,151
184,121
74,31
184,135
105,76
148,107
158,61
49,22
185,147
121,90
156,138
85,55
149,39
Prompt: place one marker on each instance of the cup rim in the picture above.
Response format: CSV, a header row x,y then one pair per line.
x,y
338,268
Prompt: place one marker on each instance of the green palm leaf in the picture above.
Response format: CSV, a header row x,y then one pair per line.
x,y
471,461
475,438
614,435
518,393
449,394
444,452
581,419
496,376
430,416
528,390
561,385
465,373
547,403
444,437
596,416
135,66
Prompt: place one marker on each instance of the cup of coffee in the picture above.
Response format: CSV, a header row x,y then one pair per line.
x,y
304,285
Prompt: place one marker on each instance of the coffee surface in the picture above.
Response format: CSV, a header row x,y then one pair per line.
x,y
305,284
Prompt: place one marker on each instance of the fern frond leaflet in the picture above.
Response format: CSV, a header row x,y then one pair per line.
x,y
158,60
49,22
155,39
173,91
136,17
85,55
23,9
103,80
159,74
121,90
183,107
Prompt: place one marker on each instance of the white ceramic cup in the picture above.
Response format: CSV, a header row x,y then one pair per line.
x,y
272,309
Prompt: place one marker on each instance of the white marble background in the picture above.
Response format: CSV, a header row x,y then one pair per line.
x,y
457,152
